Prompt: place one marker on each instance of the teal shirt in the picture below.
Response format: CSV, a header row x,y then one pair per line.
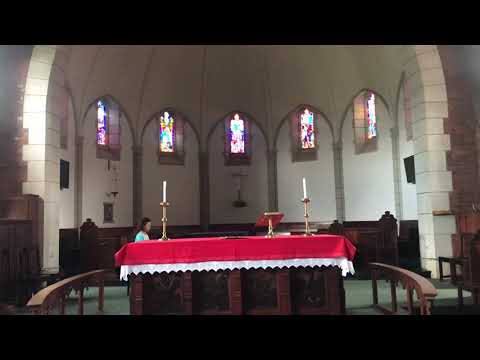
x,y
141,236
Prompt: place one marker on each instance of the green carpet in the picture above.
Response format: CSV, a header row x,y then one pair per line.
x,y
358,299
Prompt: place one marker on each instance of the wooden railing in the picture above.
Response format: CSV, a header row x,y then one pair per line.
x,y
56,294
410,281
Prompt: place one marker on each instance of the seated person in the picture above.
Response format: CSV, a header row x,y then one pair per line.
x,y
145,227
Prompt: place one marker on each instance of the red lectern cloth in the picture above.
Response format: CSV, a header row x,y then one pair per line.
x,y
244,250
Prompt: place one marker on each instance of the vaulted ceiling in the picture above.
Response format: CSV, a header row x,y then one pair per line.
x,y
206,82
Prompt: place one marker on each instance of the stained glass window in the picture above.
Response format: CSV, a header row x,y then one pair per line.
x,y
371,116
237,135
167,132
102,127
307,135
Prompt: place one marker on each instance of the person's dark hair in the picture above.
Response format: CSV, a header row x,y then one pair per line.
x,y
144,222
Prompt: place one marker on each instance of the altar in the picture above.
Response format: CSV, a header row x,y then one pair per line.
x,y
237,275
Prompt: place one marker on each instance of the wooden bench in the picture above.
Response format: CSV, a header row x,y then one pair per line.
x,y
56,294
410,281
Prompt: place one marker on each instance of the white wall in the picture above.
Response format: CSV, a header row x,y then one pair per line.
x,y
97,180
409,191
222,187
368,178
319,175
182,181
66,198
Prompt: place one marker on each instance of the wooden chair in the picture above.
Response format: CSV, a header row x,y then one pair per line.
x,y
465,270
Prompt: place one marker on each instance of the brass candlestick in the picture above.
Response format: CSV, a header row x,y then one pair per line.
x,y
307,228
270,228
164,205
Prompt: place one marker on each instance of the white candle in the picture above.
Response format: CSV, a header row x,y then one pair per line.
x,y
164,191
304,189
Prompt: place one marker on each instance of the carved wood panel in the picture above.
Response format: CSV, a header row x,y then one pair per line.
x,y
163,294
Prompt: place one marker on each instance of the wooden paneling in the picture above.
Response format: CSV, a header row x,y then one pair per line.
x,y
98,245
19,261
69,248
253,292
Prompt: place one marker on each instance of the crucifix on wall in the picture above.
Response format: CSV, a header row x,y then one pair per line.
x,y
237,183
114,179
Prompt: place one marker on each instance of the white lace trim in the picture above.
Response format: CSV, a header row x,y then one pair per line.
x,y
341,262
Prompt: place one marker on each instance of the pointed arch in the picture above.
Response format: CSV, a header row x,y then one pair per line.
x,y
251,118
170,110
294,111
350,104
122,110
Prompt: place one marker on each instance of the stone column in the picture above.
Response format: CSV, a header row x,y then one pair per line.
x,y
78,196
272,179
137,183
431,143
397,174
339,184
43,109
204,172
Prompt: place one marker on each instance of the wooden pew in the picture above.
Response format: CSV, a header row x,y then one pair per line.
x,y
55,295
376,241
410,281
7,309
98,245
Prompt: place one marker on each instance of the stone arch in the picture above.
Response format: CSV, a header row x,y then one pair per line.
x,y
122,109
425,71
349,106
43,106
401,84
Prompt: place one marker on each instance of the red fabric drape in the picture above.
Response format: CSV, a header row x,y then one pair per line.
x,y
241,249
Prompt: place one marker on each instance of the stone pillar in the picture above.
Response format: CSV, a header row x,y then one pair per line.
x,y
204,171
272,179
339,184
44,106
137,183
424,71
397,174
78,196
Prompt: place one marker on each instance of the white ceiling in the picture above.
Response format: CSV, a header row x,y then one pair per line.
x,y
206,82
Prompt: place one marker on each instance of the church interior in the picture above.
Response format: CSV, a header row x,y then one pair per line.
x,y
274,179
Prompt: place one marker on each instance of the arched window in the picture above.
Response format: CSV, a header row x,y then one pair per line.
x,y
170,138
102,123
365,122
167,133
307,130
237,144
303,127
237,135
108,129
371,116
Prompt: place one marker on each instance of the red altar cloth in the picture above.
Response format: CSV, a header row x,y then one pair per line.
x,y
240,249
